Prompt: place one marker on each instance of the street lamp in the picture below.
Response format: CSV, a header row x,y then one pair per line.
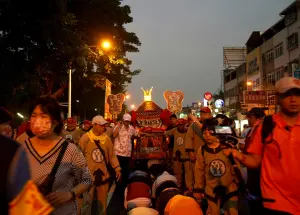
x,y
127,97
249,83
106,45
20,115
132,107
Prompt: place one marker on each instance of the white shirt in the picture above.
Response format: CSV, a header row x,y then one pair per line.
x,y
123,145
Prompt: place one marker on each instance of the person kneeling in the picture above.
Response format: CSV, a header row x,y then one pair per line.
x,y
138,190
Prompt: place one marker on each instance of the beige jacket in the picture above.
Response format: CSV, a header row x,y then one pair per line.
x,y
192,141
95,158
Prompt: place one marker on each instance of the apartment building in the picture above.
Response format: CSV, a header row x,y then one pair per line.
x,y
271,55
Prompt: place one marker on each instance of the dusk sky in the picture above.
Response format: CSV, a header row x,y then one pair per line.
x,y
183,40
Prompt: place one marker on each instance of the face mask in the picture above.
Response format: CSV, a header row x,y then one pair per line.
x,y
41,127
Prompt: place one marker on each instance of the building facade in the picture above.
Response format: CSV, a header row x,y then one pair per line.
x,y
271,55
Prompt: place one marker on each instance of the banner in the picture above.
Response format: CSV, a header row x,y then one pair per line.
x,y
107,114
30,202
174,100
115,103
256,97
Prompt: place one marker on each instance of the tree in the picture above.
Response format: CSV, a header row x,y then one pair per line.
x,y
40,40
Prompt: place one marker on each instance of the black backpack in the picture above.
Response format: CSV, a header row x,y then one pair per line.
x,y
268,126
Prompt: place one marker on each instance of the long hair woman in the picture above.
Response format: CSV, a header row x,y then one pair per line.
x,y
58,167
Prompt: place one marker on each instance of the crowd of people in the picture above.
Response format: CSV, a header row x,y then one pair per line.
x,y
74,167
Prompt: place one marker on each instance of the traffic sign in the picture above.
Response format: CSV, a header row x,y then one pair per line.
x,y
208,96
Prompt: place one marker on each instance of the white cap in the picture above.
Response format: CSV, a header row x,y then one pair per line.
x,y
287,83
99,120
126,117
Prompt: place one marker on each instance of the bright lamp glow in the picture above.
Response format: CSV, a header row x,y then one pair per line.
x,y
249,83
106,45
20,115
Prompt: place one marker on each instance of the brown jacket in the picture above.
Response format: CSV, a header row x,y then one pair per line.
x,y
179,144
213,168
192,141
73,136
95,158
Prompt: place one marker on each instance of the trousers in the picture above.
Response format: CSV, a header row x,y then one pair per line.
x,y
187,167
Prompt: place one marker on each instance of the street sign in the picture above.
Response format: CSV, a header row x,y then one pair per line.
x,y
256,97
219,103
208,96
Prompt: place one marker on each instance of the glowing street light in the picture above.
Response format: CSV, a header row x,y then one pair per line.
x,y
95,109
249,83
106,45
127,97
20,115
132,106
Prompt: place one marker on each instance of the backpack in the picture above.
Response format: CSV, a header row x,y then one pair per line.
x,y
268,126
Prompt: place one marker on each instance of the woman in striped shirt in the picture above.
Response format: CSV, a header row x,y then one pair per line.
x,y
72,177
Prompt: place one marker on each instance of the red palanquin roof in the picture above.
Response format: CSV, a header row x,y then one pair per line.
x,y
148,106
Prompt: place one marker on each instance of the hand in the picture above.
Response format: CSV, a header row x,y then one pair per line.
x,y
198,196
193,157
193,117
118,175
59,198
235,153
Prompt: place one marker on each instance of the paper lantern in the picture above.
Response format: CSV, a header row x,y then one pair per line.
x,y
174,100
115,103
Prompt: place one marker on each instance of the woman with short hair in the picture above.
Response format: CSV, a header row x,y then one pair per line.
x,y
58,167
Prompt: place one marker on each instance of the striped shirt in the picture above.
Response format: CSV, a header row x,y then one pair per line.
x,y
71,172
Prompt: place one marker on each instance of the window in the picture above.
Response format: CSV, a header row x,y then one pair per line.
x,y
279,50
271,78
279,73
253,66
292,41
269,55
290,18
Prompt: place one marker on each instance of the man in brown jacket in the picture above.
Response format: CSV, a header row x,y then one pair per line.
x,y
99,153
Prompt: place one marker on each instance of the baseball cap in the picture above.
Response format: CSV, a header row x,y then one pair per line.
x,y
86,122
99,120
70,120
181,121
126,117
257,112
287,83
205,110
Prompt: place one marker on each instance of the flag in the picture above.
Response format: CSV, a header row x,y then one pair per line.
x,y
30,202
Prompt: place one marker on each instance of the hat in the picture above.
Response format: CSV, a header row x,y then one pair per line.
x,y
181,121
143,211
99,120
126,117
257,112
205,110
86,122
180,204
5,116
287,83
70,120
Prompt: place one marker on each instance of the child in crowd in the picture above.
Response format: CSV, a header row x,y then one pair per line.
x,y
214,174
138,190
164,187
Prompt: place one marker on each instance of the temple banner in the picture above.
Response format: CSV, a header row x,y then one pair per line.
x,y
115,103
107,114
174,100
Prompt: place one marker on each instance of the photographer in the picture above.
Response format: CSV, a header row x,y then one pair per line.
x,y
214,173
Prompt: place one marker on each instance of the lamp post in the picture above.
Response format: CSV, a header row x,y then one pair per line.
x,y
106,45
70,91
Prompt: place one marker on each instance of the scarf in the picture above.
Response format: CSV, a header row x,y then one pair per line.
x,y
102,138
